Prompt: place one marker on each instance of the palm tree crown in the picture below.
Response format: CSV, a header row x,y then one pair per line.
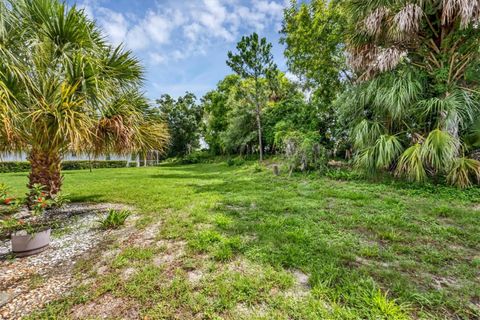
x,y
415,99
63,87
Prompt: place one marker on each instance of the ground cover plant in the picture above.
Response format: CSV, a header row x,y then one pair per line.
x,y
238,242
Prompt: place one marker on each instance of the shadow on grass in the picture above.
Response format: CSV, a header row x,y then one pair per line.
x,y
86,198
349,251
180,176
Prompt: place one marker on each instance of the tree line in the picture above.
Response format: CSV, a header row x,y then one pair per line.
x,y
391,84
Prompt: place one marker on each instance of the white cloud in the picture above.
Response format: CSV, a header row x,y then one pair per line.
x,y
157,58
114,24
190,25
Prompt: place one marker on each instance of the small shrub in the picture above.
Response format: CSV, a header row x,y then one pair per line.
x,y
257,168
114,219
302,150
39,201
8,203
235,162
196,157
346,174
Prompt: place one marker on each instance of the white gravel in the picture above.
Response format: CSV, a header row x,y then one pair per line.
x,y
77,236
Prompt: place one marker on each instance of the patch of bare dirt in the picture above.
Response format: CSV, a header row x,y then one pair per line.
x,y
106,307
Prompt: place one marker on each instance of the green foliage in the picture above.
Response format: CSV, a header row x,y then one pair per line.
x,y
320,64
302,150
196,157
420,94
216,112
254,61
20,166
345,174
235,161
230,116
95,164
183,117
114,219
314,35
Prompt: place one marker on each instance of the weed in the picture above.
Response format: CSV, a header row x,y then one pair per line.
x,y
114,219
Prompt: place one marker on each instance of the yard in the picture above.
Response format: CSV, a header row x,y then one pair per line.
x,y
237,242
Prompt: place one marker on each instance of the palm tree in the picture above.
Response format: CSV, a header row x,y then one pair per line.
x,y
416,95
63,88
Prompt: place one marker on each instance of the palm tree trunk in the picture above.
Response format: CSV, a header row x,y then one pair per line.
x,y
45,170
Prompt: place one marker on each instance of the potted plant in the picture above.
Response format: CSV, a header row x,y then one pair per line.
x,y
27,237
30,234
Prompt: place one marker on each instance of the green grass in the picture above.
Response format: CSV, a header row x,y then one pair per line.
x,y
370,250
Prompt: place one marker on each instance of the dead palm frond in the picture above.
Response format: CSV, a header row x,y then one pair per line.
x,y
464,172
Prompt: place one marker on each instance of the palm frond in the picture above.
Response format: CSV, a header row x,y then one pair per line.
x,y
365,133
411,164
467,11
439,149
387,150
407,20
396,93
464,172
451,111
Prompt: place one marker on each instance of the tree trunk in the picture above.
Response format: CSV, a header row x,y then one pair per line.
x,y
259,126
258,116
45,170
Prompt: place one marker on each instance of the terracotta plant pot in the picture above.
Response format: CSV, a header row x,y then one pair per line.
x,y
24,244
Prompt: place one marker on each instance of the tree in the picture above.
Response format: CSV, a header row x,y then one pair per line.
x,y
254,60
183,117
63,88
416,91
314,34
216,110
241,134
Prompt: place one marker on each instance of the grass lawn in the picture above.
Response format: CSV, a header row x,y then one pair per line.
x,y
248,245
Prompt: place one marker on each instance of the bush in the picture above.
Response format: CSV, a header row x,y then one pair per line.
x,y
196,157
79,165
303,150
22,166
235,162
346,174
114,219
14,166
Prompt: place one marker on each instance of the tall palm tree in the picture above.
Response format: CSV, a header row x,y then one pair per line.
x,y
416,95
64,88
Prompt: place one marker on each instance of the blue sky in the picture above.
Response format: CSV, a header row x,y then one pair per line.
x,y
183,44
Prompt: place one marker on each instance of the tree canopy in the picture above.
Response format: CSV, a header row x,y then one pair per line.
x,y
183,117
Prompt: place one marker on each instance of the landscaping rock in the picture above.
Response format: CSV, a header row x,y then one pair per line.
x,y
77,235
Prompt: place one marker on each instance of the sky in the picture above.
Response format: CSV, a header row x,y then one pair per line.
x,y
183,44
